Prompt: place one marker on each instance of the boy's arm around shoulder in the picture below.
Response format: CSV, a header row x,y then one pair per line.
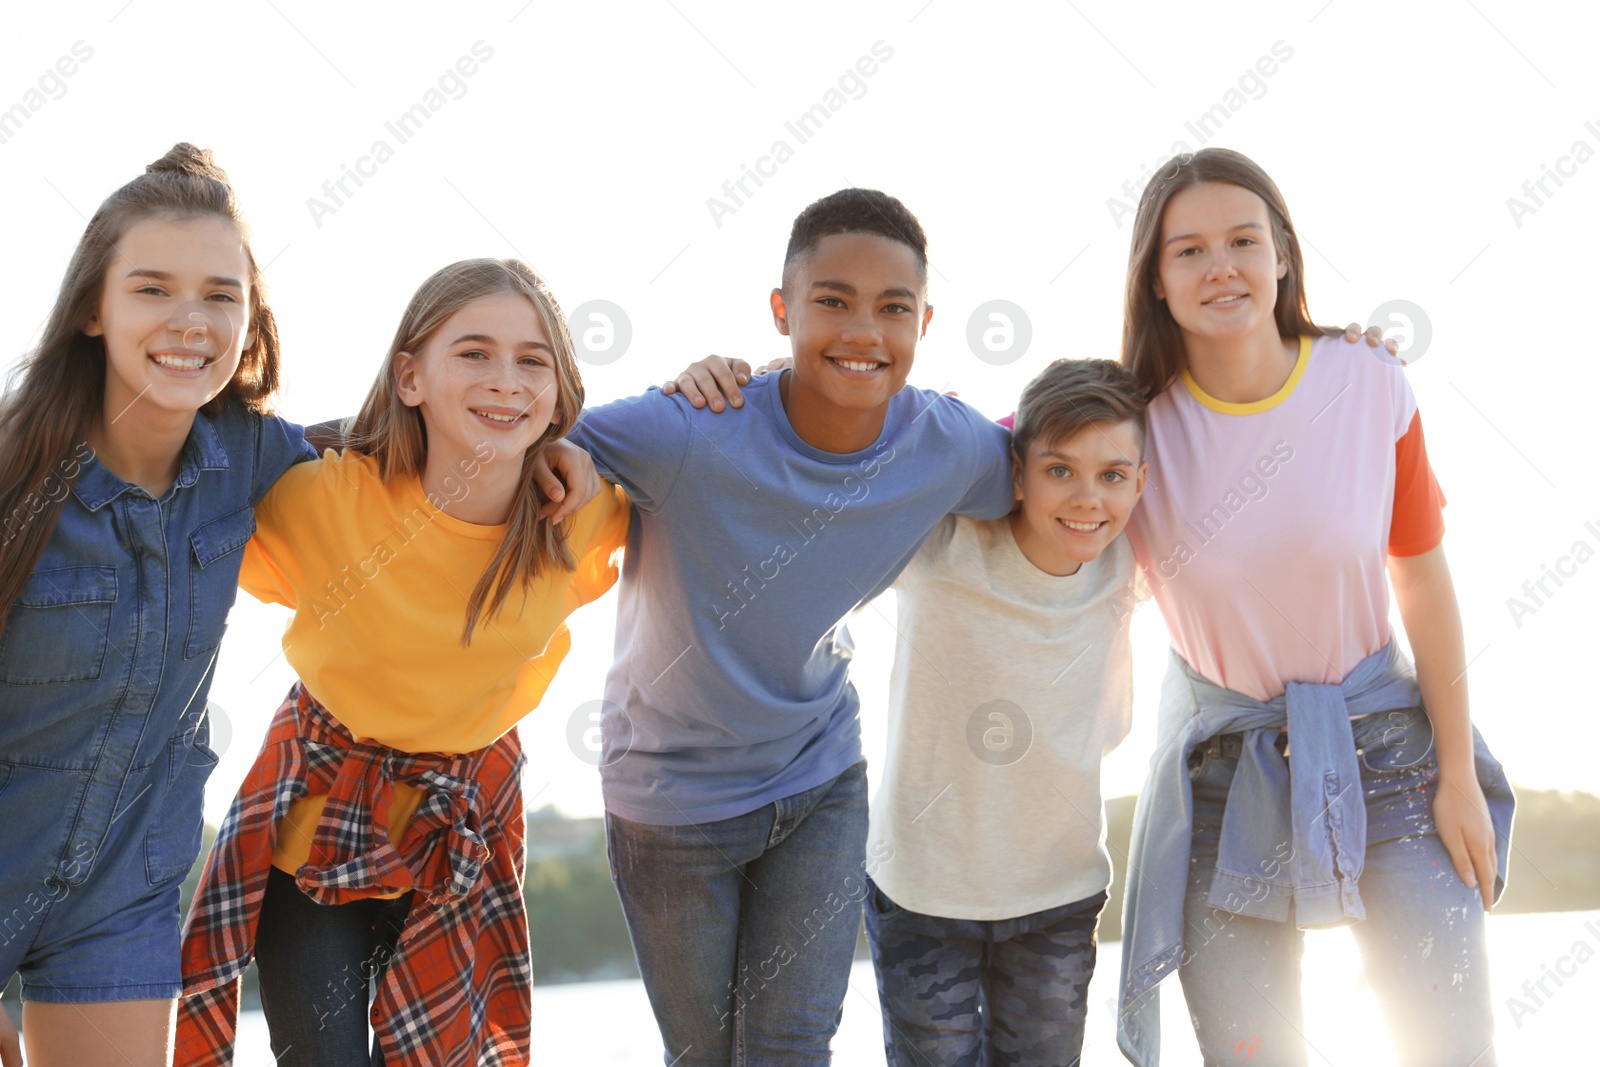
x,y
640,442
990,494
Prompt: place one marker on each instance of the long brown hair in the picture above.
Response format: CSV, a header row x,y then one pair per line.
x,y
59,388
1152,344
395,435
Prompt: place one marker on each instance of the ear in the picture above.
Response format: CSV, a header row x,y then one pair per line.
x,y
405,377
1138,481
780,312
92,328
1283,266
927,317
1016,476
1161,290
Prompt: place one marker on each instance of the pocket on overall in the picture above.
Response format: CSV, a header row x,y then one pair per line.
x,y
58,627
172,843
216,550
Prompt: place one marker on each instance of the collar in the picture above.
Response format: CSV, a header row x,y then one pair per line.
x,y
96,486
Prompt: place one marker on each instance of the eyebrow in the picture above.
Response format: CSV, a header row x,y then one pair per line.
x,y
847,289
164,276
483,338
1192,236
1051,453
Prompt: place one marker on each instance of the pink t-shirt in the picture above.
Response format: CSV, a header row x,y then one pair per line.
x,y
1264,526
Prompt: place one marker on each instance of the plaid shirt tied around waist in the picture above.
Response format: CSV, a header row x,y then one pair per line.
x,y
456,992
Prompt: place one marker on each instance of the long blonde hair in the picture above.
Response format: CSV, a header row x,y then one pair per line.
x,y
59,388
394,433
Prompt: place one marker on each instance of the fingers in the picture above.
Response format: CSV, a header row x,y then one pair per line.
x,y
1484,866
685,383
546,480
557,510
725,379
1352,332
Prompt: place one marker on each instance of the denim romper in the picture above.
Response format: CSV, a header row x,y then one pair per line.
x,y
105,664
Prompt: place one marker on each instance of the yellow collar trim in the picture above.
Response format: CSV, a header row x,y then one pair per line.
x,y
1265,404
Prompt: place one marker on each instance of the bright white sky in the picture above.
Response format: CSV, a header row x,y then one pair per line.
x,y
591,138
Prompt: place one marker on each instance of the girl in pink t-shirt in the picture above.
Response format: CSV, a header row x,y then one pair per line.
x,y
1288,479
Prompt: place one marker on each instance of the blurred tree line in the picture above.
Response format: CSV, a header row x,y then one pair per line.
x,y
578,933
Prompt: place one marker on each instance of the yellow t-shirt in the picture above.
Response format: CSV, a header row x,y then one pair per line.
x,y
379,579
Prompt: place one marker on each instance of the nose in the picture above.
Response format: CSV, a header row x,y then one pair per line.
x,y
1084,497
861,327
197,325
1221,265
503,378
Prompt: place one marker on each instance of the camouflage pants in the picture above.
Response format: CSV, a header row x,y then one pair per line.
x,y
983,993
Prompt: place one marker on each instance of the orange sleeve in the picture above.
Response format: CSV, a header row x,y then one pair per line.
x,y
1417,523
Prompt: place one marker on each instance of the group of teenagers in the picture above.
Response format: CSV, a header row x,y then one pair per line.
x,y
1261,478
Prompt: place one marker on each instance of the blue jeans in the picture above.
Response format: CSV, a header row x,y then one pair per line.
x,y
744,928
1422,941
317,964
983,993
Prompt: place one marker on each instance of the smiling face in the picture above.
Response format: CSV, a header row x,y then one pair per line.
x,y
852,310
1217,269
174,315
1076,495
485,379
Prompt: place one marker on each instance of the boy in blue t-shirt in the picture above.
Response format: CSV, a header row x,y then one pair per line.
x,y
734,785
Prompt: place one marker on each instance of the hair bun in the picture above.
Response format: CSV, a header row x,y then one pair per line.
x,y
185,158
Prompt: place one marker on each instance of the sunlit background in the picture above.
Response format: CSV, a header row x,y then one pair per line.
x,y
1440,160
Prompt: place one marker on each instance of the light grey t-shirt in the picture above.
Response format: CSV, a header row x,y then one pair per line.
x,y
1009,686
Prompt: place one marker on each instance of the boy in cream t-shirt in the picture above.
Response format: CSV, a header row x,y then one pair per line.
x,y
1013,681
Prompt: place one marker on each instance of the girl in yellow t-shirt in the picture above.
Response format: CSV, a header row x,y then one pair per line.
x,y
379,835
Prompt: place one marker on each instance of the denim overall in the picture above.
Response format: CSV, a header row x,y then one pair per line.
x,y
105,664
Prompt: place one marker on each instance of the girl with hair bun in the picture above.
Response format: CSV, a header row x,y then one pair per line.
x,y
135,441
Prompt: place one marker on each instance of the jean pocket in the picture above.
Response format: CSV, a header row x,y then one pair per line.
x,y
172,843
217,549
58,627
881,905
1394,742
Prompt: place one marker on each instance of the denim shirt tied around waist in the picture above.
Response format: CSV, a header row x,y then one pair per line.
x,y
108,651
1314,809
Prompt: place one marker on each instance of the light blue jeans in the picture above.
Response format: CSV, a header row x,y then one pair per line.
x,y
1422,941
744,928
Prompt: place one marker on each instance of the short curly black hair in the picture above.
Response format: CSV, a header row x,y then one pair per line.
x,y
856,211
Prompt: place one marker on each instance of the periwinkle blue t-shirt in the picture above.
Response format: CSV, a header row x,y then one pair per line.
x,y
748,550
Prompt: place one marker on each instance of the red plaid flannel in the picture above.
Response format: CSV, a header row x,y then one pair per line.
x,y
457,990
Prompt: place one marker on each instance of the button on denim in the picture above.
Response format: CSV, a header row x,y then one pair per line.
x,y
105,665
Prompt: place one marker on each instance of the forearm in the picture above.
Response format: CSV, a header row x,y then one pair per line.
x,y
1426,598
326,435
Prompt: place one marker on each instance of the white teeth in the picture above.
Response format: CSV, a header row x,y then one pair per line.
x,y
1228,299
181,362
863,365
496,418
1086,527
